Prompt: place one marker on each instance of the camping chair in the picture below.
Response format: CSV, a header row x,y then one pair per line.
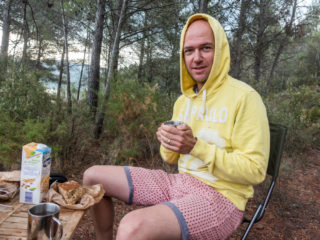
x,y
277,139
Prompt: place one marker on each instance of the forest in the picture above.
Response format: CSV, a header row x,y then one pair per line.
x,y
95,79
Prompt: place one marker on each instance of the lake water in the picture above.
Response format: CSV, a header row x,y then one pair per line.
x,y
75,72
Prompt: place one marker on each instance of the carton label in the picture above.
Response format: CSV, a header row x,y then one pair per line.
x,y
35,172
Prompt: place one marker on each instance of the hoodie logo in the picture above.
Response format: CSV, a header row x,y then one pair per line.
x,y
213,114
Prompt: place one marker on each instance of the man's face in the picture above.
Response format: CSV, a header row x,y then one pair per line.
x,y
198,51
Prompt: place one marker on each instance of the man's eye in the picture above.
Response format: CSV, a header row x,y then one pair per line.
x,y
207,48
188,51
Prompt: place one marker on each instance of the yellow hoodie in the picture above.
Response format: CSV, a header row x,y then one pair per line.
x,y
230,122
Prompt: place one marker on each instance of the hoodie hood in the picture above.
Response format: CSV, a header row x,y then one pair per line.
x,y
221,63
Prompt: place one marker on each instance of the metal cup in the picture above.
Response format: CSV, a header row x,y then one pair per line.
x,y
43,222
173,123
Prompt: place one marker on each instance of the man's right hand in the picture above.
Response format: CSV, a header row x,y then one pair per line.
x,y
179,139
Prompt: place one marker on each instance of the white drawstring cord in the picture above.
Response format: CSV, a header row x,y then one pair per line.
x,y
202,109
186,115
204,97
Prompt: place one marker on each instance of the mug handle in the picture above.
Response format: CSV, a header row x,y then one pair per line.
x,y
60,229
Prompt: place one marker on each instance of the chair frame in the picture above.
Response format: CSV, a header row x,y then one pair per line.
x,y
277,139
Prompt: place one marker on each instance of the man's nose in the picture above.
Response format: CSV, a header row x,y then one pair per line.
x,y
197,56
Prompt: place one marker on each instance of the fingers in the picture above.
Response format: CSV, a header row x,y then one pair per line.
x,y
183,127
169,134
179,144
170,147
179,138
163,136
158,134
167,139
174,137
175,132
169,129
170,144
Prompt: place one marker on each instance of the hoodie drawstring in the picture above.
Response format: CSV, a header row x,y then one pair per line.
x,y
186,115
204,97
202,108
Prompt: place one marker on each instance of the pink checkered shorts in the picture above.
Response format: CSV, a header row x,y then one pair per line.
x,y
202,212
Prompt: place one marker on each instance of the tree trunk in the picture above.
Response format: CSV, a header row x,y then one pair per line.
x,y
101,114
142,49
237,59
94,74
60,74
82,65
25,34
65,33
5,39
203,6
259,46
115,25
141,57
289,30
39,41
39,53
116,62
149,64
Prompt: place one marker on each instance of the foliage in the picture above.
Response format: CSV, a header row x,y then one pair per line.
x,y
22,96
29,114
299,110
24,106
10,141
135,111
308,70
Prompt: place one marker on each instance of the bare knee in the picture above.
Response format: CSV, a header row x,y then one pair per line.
x,y
90,176
130,227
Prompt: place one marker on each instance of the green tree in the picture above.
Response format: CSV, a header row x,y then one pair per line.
x,y
5,38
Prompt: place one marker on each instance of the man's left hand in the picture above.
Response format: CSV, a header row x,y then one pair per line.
x,y
179,139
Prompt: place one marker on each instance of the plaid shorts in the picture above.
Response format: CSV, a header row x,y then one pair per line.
x,y
202,212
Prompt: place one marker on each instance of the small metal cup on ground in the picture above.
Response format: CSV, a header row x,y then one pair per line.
x,y
43,222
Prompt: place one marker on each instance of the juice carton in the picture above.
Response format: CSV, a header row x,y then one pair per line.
x,y
35,172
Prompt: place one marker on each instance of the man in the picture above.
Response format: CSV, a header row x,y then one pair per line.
x,y
221,149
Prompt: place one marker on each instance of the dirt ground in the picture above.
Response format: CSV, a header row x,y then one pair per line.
x,y
292,213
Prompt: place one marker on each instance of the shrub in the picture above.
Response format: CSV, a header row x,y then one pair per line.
x,y
23,105
134,112
29,114
22,97
10,140
299,110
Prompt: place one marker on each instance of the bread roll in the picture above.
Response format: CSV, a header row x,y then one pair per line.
x,y
71,191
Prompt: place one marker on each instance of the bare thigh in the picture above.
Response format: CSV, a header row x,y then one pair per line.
x,y
113,179
156,222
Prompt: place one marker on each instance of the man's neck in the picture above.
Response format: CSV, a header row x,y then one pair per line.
x,y
197,88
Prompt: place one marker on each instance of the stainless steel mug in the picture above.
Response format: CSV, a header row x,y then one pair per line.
x,y
43,222
173,123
